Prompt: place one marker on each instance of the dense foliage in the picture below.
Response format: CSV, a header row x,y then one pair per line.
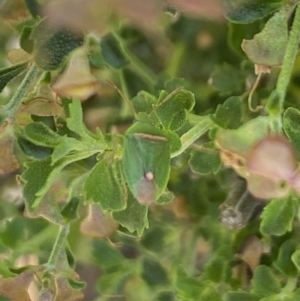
x,y
149,150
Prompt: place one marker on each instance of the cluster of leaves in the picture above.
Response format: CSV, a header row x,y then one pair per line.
x,y
151,172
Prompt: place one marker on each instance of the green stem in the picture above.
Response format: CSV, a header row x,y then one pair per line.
x,y
289,59
176,59
141,69
58,245
137,65
193,134
16,100
126,109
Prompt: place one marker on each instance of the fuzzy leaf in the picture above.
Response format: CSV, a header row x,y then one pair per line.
x,y
165,198
291,125
103,187
40,175
277,217
171,108
9,73
245,11
268,47
35,177
40,134
227,79
229,114
52,45
75,121
134,217
144,102
206,160
264,282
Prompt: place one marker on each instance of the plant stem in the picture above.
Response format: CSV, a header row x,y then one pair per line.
x,y
59,243
126,109
193,134
289,59
16,100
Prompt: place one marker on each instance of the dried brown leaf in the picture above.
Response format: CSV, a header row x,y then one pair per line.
x,y
16,288
98,224
77,80
17,56
252,251
8,161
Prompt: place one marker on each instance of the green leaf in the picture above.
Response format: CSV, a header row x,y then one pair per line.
x,y
40,134
146,162
9,73
165,296
268,47
187,288
66,146
174,140
238,32
277,217
40,175
109,283
172,108
291,125
32,150
154,239
144,102
242,139
165,198
52,45
75,121
26,41
14,232
35,177
174,83
104,187
209,293
240,295
69,212
229,114
134,217
106,256
34,7
206,160
283,262
227,79
217,270
296,259
264,282
113,51
154,273
245,11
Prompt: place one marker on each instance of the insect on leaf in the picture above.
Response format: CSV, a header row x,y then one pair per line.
x,y
146,163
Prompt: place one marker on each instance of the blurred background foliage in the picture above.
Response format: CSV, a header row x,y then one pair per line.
x,y
186,253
